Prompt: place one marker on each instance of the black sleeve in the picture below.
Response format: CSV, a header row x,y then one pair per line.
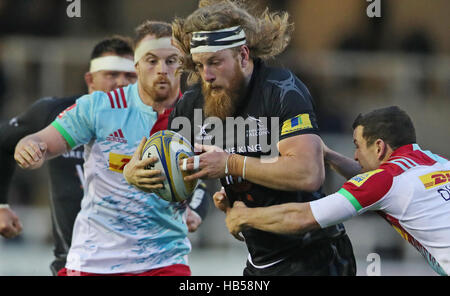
x,y
199,201
31,121
295,109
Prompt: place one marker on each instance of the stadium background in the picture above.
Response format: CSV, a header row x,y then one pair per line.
x,y
351,63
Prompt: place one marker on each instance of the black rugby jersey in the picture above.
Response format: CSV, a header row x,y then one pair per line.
x,y
277,106
65,171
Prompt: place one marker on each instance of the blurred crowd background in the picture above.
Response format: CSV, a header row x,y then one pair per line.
x,y
350,62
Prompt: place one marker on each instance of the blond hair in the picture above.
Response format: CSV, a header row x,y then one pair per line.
x,y
267,35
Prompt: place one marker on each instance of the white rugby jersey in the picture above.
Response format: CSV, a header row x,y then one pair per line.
x,y
119,228
411,191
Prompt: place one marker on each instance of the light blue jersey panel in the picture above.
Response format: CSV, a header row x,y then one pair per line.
x,y
119,228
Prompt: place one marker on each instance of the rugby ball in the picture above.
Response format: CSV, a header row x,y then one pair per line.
x,y
169,147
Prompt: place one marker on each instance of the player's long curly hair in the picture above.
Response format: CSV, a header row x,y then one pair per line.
x,y
267,33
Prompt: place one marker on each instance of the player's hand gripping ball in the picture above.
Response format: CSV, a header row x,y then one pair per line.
x,y
170,147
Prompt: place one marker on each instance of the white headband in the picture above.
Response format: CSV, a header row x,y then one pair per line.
x,y
112,63
212,41
152,44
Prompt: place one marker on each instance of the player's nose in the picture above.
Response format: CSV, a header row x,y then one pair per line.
x,y
122,80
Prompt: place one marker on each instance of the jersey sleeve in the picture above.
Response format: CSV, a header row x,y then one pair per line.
x,y
32,120
359,194
11,131
296,112
366,191
77,123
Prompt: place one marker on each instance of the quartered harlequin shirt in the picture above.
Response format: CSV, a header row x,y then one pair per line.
x,y
411,191
119,228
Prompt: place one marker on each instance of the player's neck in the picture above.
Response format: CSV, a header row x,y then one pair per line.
x,y
248,71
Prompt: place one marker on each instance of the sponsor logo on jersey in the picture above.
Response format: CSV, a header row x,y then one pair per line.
x,y
14,122
434,179
118,161
117,136
203,134
260,129
299,122
66,110
360,179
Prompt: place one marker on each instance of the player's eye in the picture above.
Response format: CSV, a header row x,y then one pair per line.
x,y
172,61
198,66
152,61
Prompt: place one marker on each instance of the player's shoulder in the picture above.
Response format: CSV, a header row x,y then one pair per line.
x,y
379,179
192,98
281,83
368,188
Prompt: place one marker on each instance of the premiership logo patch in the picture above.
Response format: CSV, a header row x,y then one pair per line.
x,y
360,179
299,122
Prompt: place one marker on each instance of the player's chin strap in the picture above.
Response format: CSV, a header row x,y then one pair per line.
x,y
212,41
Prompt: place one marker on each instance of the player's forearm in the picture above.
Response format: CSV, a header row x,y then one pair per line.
x,y
343,165
289,218
32,150
288,173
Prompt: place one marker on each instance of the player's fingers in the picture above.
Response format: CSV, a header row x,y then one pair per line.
x,y
157,181
146,163
239,204
146,173
207,148
20,160
219,197
190,164
199,175
34,151
7,231
18,226
26,157
221,201
137,154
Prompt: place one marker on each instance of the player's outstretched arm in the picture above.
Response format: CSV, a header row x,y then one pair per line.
x,y
343,165
32,150
288,218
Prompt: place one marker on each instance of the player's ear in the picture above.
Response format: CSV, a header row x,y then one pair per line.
x,y
382,149
244,53
89,79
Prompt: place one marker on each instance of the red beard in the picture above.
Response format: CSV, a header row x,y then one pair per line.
x,y
221,102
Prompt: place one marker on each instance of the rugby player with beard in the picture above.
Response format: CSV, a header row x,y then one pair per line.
x,y
224,49
121,230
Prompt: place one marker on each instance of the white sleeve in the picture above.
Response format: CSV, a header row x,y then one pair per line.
x,y
332,209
